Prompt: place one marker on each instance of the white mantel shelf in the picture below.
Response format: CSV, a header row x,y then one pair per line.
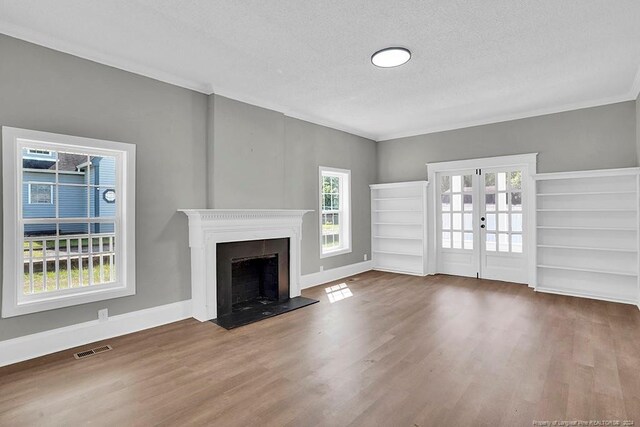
x,y
208,227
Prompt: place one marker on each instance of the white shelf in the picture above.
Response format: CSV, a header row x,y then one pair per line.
x,y
587,193
398,223
599,211
396,253
584,248
587,270
397,237
396,198
603,296
553,227
401,209
586,210
396,270
397,210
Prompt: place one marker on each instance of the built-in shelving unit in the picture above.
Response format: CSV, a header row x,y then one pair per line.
x,y
399,227
587,234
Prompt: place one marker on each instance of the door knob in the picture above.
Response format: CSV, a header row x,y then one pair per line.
x,y
482,226
482,219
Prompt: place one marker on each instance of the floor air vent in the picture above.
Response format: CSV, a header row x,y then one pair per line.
x,y
87,353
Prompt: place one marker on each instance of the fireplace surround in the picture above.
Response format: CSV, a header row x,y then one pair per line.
x,y
210,227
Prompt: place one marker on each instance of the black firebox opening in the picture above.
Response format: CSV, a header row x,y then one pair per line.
x,y
251,271
254,278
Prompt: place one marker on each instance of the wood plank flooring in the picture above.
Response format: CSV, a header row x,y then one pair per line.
x,y
401,351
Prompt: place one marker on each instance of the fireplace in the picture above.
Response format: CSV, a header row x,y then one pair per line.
x,y
251,272
211,229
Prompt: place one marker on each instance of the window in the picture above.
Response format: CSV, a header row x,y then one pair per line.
x,y
335,217
40,194
69,230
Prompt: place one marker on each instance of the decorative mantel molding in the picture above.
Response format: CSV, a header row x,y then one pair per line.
x,y
208,227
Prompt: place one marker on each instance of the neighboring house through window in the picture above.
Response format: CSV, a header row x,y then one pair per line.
x,y
335,208
69,233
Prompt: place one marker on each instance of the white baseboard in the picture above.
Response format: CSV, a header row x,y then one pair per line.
x,y
315,279
588,295
42,343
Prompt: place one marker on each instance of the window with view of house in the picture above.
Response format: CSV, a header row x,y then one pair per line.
x,y
71,231
335,208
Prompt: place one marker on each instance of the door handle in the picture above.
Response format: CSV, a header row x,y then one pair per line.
x,y
482,226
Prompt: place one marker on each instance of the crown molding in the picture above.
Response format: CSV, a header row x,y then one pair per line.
x,y
134,67
509,117
288,112
207,89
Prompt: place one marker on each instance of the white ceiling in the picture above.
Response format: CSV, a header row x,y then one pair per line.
x,y
474,61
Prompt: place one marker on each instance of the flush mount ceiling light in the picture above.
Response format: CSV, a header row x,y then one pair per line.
x,y
391,57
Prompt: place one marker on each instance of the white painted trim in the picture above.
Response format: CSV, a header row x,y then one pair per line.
x,y
14,303
598,102
399,185
94,55
208,227
345,194
584,295
321,277
35,345
587,173
409,273
529,159
134,67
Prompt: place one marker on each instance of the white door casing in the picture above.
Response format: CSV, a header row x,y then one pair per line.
x,y
512,257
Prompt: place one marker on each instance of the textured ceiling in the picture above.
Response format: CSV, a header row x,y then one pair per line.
x,y
474,61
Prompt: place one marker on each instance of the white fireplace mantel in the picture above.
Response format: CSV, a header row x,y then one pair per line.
x,y
207,227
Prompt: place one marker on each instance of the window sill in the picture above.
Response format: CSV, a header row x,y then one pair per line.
x,y
52,302
335,253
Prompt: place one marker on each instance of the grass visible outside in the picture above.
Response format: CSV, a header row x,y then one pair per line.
x,y
62,247
330,229
38,277
51,244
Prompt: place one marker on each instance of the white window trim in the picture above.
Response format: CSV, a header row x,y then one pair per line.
x,y
39,203
345,233
14,302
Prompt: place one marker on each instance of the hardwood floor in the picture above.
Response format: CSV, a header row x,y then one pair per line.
x,y
402,351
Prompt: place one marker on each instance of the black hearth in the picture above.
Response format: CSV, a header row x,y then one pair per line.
x,y
253,281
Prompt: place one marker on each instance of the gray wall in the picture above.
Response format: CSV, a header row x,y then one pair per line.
x,y
638,127
592,138
45,90
263,159
250,157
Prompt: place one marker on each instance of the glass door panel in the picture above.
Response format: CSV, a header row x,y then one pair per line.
x,y
502,225
456,222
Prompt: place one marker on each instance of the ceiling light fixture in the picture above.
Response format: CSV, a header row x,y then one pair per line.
x,y
391,57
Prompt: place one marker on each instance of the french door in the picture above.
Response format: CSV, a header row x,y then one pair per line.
x,y
480,223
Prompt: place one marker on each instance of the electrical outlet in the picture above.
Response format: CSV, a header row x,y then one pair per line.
x,y
321,268
365,257
103,314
